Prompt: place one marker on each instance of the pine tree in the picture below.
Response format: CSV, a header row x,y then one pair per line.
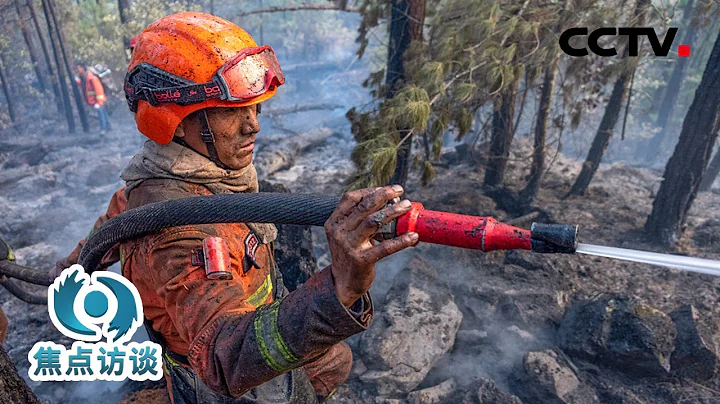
x,y
673,87
685,168
612,111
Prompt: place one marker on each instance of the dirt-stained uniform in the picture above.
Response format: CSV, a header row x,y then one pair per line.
x,y
230,336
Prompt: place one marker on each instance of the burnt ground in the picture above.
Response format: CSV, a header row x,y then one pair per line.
x,y
501,292
512,303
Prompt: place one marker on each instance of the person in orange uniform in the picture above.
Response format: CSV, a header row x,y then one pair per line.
x,y
195,83
94,93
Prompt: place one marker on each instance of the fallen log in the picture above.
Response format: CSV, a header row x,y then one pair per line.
x,y
281,155
310,66
298,7
300,108
14,175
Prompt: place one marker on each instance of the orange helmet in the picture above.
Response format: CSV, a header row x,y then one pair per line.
x,y
186,62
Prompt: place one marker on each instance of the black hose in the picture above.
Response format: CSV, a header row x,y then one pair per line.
x,y
29,297
30,275
264,207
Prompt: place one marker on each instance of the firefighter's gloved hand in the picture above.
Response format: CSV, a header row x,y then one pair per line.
x,y
350,229
96,106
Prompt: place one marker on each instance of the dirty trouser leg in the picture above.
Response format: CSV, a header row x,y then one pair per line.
x,y
331,370
103,118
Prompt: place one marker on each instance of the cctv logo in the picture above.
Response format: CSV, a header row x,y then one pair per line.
x,y
87,308
659,48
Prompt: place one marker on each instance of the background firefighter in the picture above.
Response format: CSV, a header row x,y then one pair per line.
x,y
94,93
244,337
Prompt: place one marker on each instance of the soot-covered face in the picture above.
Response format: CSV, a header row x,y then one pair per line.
x,y
234,130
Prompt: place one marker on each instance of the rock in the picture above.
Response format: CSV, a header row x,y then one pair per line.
x,y
416,329
520,335
31,156
546,378
471,337
358,367
489,393
107,172
510,310
40,256
521,259
695,356
708,234
621,333
383,400
440,393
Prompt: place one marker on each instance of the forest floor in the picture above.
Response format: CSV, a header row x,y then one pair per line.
x,y
53,186
543,287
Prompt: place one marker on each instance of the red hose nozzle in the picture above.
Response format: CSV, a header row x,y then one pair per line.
x,y
484,233
477,232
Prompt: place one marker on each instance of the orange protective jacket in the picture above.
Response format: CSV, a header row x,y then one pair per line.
x,y
234,333
93,89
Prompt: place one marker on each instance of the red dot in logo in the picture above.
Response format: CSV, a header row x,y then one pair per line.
x,y
684,51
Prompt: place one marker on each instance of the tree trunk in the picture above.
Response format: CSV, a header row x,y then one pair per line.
x,y
61,76
603,135
528,194
685,168
6,91
501,136
79,98
711,173
406,25
275,155
31,50
124,11
612,113
46,55
538,163
13,388
673,87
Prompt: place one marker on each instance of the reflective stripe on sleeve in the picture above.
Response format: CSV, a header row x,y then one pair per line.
x,y
271,345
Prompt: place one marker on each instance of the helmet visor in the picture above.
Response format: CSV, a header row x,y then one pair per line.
x,y
251,73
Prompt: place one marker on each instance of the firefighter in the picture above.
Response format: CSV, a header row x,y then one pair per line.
x,y
94,93
195,83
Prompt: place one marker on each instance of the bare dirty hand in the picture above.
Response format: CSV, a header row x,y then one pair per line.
x,y
350,230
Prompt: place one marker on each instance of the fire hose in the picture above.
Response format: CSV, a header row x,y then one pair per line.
x,y
474,232
480,233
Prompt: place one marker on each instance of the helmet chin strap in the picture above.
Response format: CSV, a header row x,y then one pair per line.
x,y
208,138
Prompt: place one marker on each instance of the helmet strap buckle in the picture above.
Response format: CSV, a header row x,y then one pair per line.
x,y
208,138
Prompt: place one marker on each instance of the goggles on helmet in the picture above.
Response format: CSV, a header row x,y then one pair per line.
x,y
250,73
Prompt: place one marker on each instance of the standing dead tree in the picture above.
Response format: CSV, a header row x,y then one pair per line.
x,y
46,56
528,194
612,111
503,131
124,11
31,49
685,168
79,101
673,88
6,91
67,106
